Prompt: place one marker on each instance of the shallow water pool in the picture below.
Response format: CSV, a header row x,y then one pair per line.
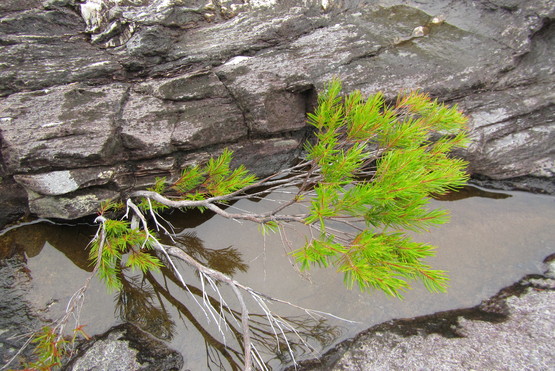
x,y
493,239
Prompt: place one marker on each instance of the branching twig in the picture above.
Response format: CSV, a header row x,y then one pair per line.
x,y
276,322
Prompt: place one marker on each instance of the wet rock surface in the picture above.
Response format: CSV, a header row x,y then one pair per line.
x,y
524,183
17,317
140,88
14,201
511,331
125,347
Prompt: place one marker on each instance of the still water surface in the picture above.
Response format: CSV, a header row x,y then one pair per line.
x,y
493,239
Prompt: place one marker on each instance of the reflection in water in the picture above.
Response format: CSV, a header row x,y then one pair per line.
x,y
490,243
228,354
225,354
471,191
227,260
71,240
136,303
218,353
154,302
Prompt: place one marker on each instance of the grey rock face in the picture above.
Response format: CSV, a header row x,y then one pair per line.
x,y
512,132
42,48
137,89
172,115
16,312
125,347
65,127
64,181
70,205
13,199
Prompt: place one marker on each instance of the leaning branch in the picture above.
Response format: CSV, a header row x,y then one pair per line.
x,y
209,203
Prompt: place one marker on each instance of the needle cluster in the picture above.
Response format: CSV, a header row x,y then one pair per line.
x,y
379,164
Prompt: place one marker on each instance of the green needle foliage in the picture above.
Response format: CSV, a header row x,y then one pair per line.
x,y
379,164
368,178
214,179
50,350
120,239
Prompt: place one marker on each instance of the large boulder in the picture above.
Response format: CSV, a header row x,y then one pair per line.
x,y
100,96
125,347
65,127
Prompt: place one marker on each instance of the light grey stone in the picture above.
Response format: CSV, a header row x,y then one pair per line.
x,y
69,206
122,348
64,181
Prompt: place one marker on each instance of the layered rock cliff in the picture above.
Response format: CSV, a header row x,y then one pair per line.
x,y
100,96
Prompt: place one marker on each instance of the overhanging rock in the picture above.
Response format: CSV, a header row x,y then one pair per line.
x,y
141,89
